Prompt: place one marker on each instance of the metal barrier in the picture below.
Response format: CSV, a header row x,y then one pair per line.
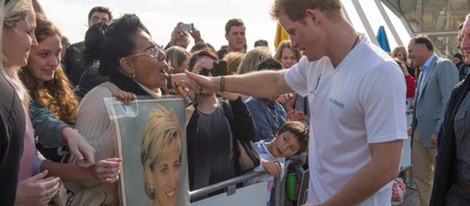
x,y
279,190
230,184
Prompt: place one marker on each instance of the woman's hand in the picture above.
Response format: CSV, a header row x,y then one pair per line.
x,y
124,97
79,147
37,190
107,170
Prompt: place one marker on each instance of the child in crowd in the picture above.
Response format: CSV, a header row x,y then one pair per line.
x,y
290,139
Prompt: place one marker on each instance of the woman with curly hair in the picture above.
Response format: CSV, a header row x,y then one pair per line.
x,y
53,107
37,180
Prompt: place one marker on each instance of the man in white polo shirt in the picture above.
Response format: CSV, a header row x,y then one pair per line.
x,y
356,96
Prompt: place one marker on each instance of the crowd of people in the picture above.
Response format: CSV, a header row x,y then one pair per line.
x,y
327,98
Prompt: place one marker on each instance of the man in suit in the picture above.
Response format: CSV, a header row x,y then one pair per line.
x,y
436,81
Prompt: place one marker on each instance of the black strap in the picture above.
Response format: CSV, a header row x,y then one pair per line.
x,y
127,84
228,113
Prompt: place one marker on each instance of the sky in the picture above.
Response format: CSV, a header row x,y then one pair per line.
x,y
209,16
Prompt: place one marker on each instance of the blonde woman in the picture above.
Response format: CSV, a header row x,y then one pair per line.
x,y
17,18
252,58
161,156
179,59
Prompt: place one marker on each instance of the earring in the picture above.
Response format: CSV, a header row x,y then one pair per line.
x,y
133,75
152,190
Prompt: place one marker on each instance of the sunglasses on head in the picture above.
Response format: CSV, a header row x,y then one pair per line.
x,y
204,71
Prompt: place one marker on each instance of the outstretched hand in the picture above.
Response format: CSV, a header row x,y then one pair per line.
x,y
79,147
200,83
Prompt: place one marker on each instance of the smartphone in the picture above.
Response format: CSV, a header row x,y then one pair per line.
x,y
186,27
219,68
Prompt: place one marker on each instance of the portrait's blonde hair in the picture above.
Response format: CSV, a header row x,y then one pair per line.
x,y
252,59
162,129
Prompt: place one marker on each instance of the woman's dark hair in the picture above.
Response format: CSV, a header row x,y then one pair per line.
x,y
94,37
114,42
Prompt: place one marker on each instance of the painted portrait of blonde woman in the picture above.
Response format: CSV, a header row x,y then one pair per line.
x,y
161,156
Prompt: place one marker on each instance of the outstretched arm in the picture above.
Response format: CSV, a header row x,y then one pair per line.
x,y
79,146
258,84
106,170
52,132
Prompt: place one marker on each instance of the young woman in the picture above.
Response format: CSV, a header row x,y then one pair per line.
x,y
41,188
212,129
53,107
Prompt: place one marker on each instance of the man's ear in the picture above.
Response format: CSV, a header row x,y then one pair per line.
x,y
226,36
312,15
126,65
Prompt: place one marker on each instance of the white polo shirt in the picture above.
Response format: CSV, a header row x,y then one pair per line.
x,y
361,101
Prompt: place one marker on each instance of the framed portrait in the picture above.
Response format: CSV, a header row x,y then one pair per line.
x,y
151,140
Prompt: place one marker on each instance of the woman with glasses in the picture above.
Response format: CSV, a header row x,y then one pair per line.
x,y
135,64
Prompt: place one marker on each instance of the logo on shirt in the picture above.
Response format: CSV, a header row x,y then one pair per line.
x,y
336,103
